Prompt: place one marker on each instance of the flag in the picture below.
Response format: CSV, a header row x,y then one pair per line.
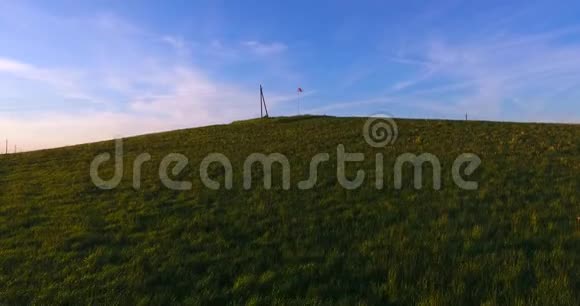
x,y
300,89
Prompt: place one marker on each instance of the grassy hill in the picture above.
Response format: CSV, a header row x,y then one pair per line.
x,y
514,240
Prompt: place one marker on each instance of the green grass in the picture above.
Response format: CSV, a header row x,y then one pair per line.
x,y
514,240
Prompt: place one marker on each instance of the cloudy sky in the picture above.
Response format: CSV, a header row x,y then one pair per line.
x,y
80,71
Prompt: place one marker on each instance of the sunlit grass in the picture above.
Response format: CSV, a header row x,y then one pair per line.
x,y
512,241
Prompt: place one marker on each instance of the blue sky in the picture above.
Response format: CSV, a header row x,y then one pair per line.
x,y
80,71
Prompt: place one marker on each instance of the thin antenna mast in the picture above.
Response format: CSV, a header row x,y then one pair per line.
x,y
263,102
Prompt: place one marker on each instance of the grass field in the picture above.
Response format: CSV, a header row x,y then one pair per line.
x,y
513,241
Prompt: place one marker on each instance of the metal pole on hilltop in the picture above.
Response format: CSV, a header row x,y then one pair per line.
x,y
298,103
300,97
263,102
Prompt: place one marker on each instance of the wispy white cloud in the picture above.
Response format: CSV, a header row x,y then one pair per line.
x,y
135,75
483,77
26,71
65,82
193,97
417,80
261,48
174,97
181,46
177,97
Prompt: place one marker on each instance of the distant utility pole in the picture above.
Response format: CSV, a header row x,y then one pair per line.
x,y
6,146
263,107
465,116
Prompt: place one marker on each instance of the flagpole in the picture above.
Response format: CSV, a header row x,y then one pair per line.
x,y
299,91
300,97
